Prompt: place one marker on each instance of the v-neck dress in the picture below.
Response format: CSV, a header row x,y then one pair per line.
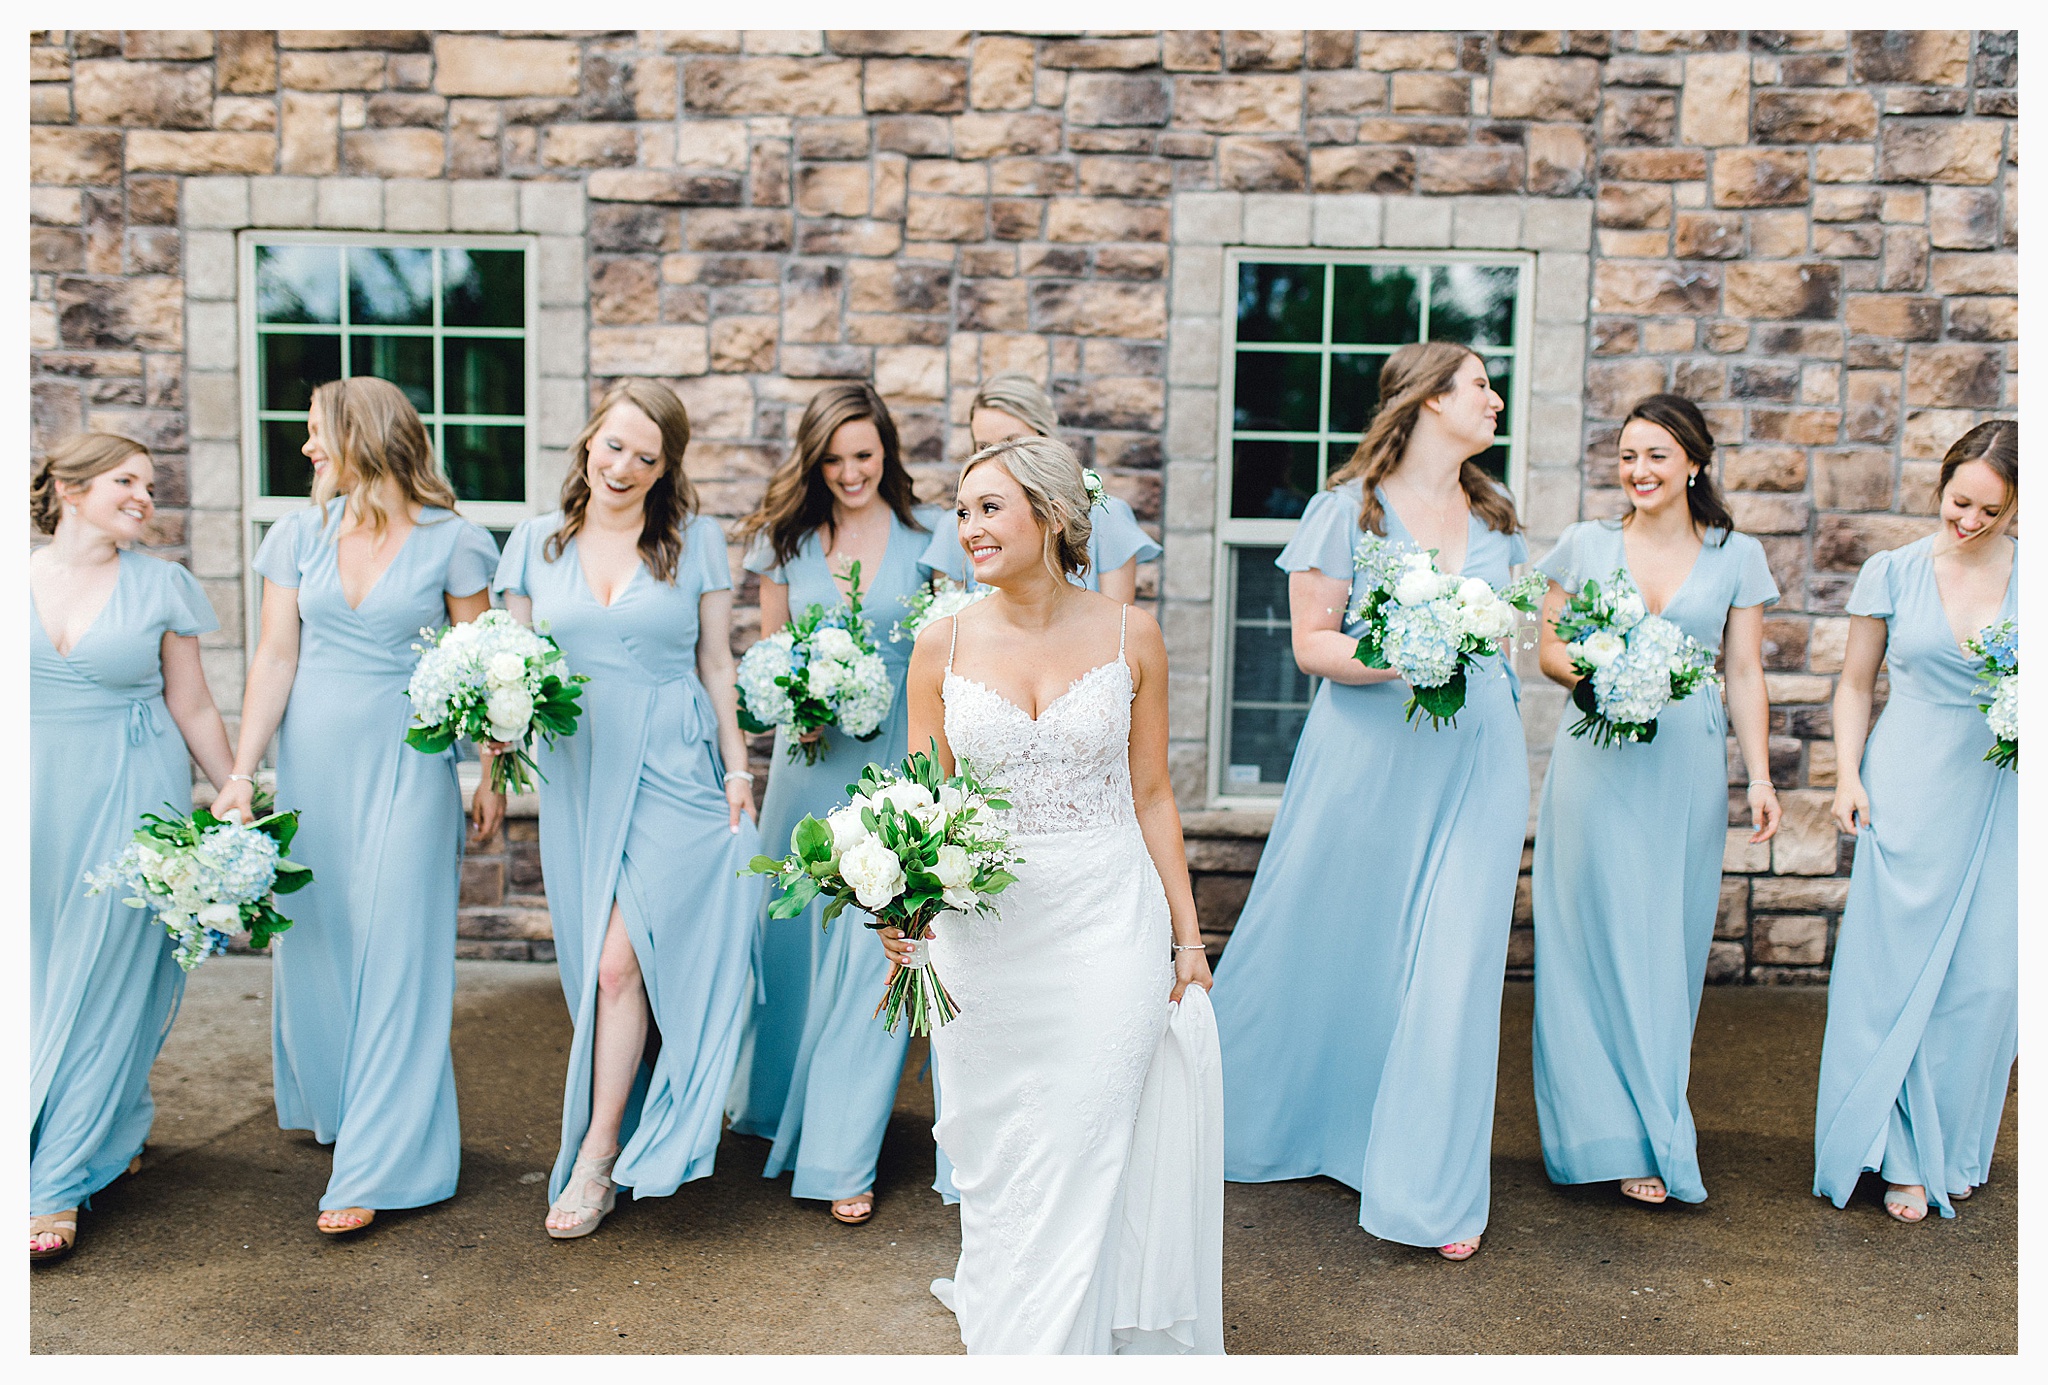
x,y
103,984
1359,999
1627,881
1923,997
1114,539
632,810
820,1072
363,983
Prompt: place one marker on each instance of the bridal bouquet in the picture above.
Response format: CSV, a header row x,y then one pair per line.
x,y
1633,664
1997,650
910,846
206,877
493,679
819,670
1429,626
947,598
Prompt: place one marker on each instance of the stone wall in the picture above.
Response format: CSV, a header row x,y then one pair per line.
x,y
1813,233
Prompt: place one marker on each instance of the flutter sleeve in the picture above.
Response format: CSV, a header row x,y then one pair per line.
x,y
1754,585
707,544
472,561
1116,537
1872,595
281,556
761,558
1564,564
186,609
1326,538
944,554
510,579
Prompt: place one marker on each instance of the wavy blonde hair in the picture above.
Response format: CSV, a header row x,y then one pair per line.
x,y
373,434
1417,373
74,462
1018,395
1049,474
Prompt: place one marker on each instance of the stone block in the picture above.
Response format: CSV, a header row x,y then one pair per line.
x,y
1940,151
772,86
1416,222
1898,316
1487,223
1238,105
167,151
309,130
1475,169
1815,117
1647,286
1557,224
946,219
1000,74
738,230
658,351
1970,274
150,95
331,71
1760,178
416,205
1191,425
214,406
1841,543
477,65
743,344
1361,169
911,84
1100,309
1923,57
1542,88
1430,93
1208,218
1561,290
1954,376
1961,218
399,153
1345,220
245,61
1740,857
912,374
351,204
1780,291
1105,99
1087,219
978,135
1277,218
1262,165
1731,915
1346,93
210,271
210,329
1760,468
1983,319
1408,50
1715,106
216,203
1788,939
480,205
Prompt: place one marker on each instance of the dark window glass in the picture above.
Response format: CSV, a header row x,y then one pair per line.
x,y
391,286
407,362
1376,304
483,288
1354,390
1269,694
483,375
285,469
298,283
293,366
1472,303
1278,391
1272,480
1494,461
1280,302
1500,373
485,462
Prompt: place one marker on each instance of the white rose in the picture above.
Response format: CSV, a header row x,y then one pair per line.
x,y
835,644
221,918
1418,582
506,669
905,795
1628,611
1599,649
1474,591
953,868
873,871
510,709
847,829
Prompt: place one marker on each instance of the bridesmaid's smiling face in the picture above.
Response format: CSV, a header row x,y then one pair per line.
x,y
315,448
852,464
1000,534
1469,410
624,460
1974,504
119,502
1654,469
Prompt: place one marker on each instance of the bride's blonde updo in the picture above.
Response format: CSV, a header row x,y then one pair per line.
x,y
1050,475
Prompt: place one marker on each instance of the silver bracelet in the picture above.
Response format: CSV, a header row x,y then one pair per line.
x,y
243,777
1190,947
739,774
1764,782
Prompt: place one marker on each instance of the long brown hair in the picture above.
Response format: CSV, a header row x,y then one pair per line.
x,y
74,462
798,500
1418,372
1996,443
671,500
1681,418
373,434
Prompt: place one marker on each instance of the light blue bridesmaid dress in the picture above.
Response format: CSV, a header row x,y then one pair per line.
x,y
633,810
821,1075
1359,998
363,984
1627,882
1114,540
103,985
1923,998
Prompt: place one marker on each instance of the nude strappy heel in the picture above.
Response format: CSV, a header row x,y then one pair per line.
x,y
575,1198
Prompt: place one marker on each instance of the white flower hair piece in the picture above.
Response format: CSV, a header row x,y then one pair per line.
x,y
1093,483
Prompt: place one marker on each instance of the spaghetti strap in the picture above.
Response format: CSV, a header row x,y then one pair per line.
x,y
1123,623
953,642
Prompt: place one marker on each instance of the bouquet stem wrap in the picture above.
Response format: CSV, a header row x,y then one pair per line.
x,y
914,987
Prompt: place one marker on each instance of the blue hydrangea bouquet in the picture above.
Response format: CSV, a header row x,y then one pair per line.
x,y
822,669
1631,664
206,877
1431,627
1997,650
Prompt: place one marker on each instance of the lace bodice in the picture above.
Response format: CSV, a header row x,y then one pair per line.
x,y
1069,769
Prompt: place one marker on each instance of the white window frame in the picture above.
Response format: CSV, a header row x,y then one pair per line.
x,y
260,510
1232,533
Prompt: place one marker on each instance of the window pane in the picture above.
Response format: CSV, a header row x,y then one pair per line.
x,y
1354,390
293,366
1279,302
391,284
485,463
1494,460
1380,304
1472,303
285,469
1272,480
483,288
298,283
407,362
1278,392
1500,373
1269,694
483,375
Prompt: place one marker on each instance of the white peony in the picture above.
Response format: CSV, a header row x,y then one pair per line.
x,y
1474,591
509,710
953,868
1599,649
506,669
1629,610
1489,620
951,800
905,795
873,872
834,644
222,918
847,829
1419,581
960,897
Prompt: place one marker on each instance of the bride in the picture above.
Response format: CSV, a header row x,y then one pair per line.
x,y
1081,1098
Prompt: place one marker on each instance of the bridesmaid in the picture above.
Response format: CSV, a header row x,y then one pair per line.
x,y
1923,999
646,812
365,980
1622,931
1360,1034
823,1072
113,667
1011,405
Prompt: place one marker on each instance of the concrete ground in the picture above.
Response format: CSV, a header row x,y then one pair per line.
x,y
211,1248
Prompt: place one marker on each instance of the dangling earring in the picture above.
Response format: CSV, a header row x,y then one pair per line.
x,y
1692,480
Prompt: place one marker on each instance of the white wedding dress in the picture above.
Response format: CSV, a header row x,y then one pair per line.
x,y
1082,1112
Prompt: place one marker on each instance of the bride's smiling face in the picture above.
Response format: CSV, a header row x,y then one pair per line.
x,y
1001,535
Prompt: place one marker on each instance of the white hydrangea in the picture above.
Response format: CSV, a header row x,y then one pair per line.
x,y
2004,712
1636,685
759,667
